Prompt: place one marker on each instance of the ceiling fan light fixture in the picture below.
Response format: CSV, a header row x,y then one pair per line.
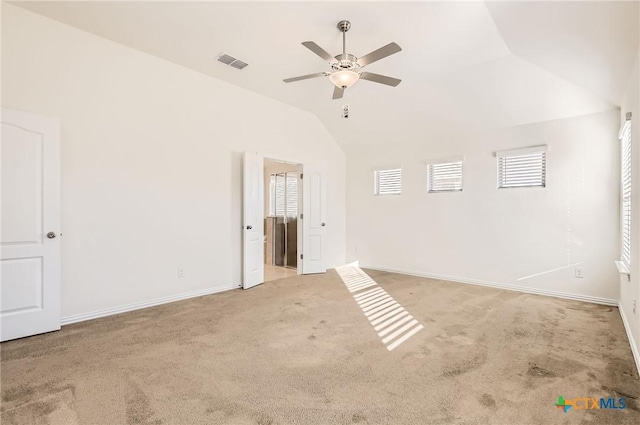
x,y
344,79
346,68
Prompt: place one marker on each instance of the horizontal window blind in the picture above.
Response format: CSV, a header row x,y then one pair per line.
x,y
444,177
388,182
626,194
272,195
283,194
292,194
526,170
276,195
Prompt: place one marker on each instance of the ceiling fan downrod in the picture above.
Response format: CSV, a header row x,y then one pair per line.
x,y
344,26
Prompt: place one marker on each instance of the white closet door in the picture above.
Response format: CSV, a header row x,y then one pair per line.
x,y
253,205
30,242
314,224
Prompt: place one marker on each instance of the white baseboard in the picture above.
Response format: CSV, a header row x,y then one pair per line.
x,y
508,287
143,304
632,342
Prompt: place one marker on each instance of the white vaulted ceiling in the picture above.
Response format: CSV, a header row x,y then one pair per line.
x,y
464,65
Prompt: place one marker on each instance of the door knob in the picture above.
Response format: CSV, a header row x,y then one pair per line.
x,y
51,235
249,227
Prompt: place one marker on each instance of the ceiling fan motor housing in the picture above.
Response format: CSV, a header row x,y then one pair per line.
x,y
345,61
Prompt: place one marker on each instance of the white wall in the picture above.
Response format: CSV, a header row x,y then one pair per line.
x,y
151,162
483,234
630,290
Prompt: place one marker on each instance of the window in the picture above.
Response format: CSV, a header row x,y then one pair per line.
x,y
444,177
522,167
387,182
283,193
276,195
292,194
625,138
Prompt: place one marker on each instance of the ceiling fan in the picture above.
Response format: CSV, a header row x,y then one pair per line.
x,y
346,68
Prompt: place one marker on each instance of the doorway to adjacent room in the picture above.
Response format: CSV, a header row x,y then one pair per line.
x,y
283,193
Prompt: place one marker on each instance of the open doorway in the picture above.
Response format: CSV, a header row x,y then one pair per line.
x,y
282,231
310,225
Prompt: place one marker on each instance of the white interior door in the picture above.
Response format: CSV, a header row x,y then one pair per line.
x,y
30,224
314,224
253,230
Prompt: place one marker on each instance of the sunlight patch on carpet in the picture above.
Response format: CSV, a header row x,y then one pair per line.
x,y
389,319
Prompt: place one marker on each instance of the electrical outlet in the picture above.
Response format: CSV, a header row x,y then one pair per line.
x,y
180,272
579,272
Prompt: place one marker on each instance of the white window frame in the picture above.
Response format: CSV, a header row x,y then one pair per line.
x,y
389,175
445,165
516,157
625,136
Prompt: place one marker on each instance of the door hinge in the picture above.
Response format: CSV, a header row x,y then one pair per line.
x,y
301,216
301,175
302,256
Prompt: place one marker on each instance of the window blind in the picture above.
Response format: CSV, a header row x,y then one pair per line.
x,y
276,195
388,182
283,194
292,194
625,138
526,169
444,177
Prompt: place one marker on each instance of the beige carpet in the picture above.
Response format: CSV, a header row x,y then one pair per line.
x,y
301,351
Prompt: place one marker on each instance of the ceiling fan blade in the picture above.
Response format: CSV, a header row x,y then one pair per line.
x,y
319,51
305,77
382,79
337,92
381,53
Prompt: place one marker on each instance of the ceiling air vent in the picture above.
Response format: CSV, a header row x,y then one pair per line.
x,y
230,60
238,64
